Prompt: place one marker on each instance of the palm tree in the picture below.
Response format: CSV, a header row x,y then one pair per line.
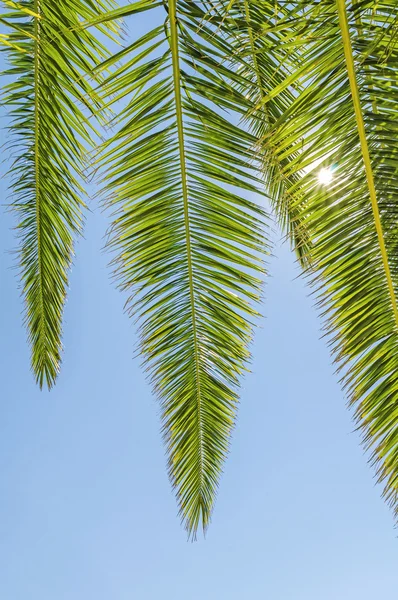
x,y
218,100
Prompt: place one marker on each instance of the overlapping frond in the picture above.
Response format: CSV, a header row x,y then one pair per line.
x,y
49,100
344,119
188,243
261,54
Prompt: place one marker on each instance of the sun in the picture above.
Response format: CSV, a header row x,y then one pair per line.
x,y
325,176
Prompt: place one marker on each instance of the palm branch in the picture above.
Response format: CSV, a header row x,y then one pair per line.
x,y
255,32
49,101
344,118
187,241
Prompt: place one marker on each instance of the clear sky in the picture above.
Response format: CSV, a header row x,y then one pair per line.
x,y
86,510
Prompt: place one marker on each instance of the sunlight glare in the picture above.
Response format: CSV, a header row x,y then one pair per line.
x,y
325,176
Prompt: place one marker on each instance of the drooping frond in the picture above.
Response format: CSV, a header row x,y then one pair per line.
x,y
49,99
344,120
256,30
188,242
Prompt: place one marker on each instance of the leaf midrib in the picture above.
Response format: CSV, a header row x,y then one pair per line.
x,y
254,56
37,158
345,33
181,145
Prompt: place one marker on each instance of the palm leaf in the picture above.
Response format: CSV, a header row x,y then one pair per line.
x,y
49,99
188,242
346,115
256,31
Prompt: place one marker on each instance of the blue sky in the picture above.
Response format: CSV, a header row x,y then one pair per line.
x,y
86,510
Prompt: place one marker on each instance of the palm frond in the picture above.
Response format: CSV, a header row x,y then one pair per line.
x,y
188,242
264,59
345,119
49,101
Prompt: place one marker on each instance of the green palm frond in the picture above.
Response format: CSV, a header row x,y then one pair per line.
x,y
188,243
49,99
256,31
344,118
